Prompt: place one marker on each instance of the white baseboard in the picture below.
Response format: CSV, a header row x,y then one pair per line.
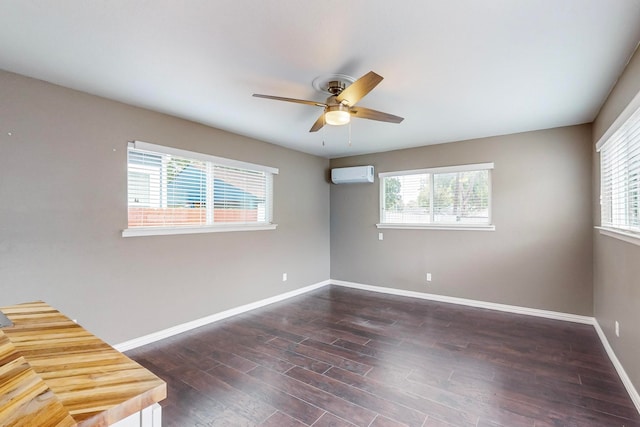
x,y
633,393
174,330
567,317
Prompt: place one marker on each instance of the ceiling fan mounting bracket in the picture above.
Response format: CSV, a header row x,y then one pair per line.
x,y
332,84
335,87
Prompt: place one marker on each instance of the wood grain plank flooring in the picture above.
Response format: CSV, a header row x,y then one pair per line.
x,y
343,358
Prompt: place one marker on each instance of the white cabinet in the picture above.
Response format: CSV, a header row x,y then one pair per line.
x,y
148,417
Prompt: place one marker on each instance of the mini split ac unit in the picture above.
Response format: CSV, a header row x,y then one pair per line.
x,y
352,175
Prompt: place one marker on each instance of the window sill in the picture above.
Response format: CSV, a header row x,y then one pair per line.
x,y
625,236
470,227
163,231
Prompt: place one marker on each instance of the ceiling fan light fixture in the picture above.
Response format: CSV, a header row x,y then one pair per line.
x,y
337,115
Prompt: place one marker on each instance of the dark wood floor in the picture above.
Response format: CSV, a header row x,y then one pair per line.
x,y
343,357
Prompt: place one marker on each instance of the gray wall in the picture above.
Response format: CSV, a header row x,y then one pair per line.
x,y
617,263
63,191
540,255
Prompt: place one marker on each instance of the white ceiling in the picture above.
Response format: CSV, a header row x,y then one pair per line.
x,y
455,69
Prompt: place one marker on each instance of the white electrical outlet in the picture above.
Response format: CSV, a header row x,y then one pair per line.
x,y
617,329
284,277
428,277
380,236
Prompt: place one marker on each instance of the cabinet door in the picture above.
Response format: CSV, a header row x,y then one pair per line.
x,y
149,417
132,420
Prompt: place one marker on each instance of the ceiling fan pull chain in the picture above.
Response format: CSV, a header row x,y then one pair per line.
x,y
324,122
349,134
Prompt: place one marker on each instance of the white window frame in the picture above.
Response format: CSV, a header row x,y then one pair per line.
x,y
622,121
213,228
431,172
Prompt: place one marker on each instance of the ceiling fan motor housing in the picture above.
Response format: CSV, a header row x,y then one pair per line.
x,y
332,101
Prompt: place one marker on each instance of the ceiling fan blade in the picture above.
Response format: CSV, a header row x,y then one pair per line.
x,y
358,89
318,124
299,101
367,113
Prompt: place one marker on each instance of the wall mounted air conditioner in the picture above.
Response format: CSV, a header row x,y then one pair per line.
x,y
352,175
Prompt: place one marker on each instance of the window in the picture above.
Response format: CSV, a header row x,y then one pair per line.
x,y
446,197
620,177
173,191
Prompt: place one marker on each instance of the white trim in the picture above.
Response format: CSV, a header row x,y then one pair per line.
x,y
441,169
490,209
164,231
633,393
474,227
141,145
184,327
631,108
165,333
626,236
567,317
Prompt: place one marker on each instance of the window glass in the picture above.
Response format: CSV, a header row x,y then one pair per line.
x,y
620,177
455,195
170,190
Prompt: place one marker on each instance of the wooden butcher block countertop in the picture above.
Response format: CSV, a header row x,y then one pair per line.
x,y
93,382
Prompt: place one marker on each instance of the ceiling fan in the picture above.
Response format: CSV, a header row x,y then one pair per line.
x,y
344,93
